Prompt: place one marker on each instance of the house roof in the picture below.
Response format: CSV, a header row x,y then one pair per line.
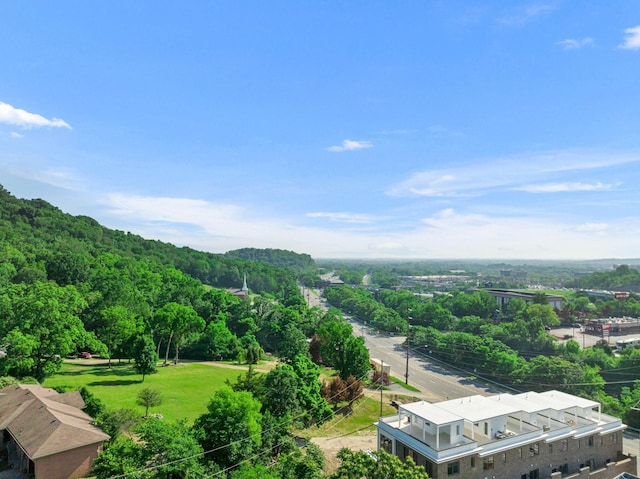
x,y
44,422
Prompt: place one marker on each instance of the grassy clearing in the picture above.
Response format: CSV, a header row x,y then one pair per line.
x,y
400,382
185,388
359,422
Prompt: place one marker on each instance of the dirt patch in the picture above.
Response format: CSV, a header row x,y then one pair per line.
x,y
330,446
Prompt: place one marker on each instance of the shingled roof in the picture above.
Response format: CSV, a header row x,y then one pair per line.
x,y
44,422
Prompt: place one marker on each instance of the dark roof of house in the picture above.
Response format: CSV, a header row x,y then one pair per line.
x,y
44,422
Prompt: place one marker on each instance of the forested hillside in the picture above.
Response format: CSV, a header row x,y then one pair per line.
x,y
302,264
62,247
68,284
623,278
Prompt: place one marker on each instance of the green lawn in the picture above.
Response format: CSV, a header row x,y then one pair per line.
x,y
185,389
360,421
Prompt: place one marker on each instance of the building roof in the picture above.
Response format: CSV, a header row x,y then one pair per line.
x,y
44,422
435,414
477,408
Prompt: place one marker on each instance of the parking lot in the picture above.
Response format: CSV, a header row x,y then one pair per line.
x,y
587,340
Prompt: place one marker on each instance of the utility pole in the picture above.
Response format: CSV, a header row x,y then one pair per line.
x,y
381,383
406,373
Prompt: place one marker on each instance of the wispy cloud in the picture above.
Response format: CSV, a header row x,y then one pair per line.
x,y
16,135
508,173
526,14
58,176
350,145
593,227
344,217
574,44
27,120
563,187
632,39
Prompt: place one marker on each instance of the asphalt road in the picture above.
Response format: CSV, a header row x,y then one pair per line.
x,y
435,382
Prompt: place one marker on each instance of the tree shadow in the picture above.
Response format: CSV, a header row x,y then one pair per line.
x,y
118,382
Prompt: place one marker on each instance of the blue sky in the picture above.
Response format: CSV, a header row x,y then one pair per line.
x,y
440,129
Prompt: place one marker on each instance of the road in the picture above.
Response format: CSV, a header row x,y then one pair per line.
x,y
435,382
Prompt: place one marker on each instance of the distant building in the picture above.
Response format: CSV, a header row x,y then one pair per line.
x,y
242,292
527,436
46,434
503,296
516,275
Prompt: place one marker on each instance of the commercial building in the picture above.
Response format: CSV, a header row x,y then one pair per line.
x,y
523,436
503,296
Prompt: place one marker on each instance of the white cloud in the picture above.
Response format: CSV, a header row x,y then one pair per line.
x,y
26,120
448,233
632,40
593,227
505,173
60,176
573,44
343,217
563,187
16,135
526,14
350,145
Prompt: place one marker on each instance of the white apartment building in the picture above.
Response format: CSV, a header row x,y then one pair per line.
x,y
522,436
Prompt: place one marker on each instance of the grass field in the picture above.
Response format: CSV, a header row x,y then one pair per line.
x,y
365,412
185,388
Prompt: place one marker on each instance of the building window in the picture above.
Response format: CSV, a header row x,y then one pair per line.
x,y
519,452
486,428
453,468
534,450
591,441
564,444
457,429
564,469
613,439
386,444
487,463
504,457
550,448
473,461
535,474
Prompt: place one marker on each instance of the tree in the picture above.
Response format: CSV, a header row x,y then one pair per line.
x,y
171,448
317,410
280,396
293,343
147,398
163,451
40,327
230,428
380,465
116,324
355,358
145,356
334,392
115,421
178,320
